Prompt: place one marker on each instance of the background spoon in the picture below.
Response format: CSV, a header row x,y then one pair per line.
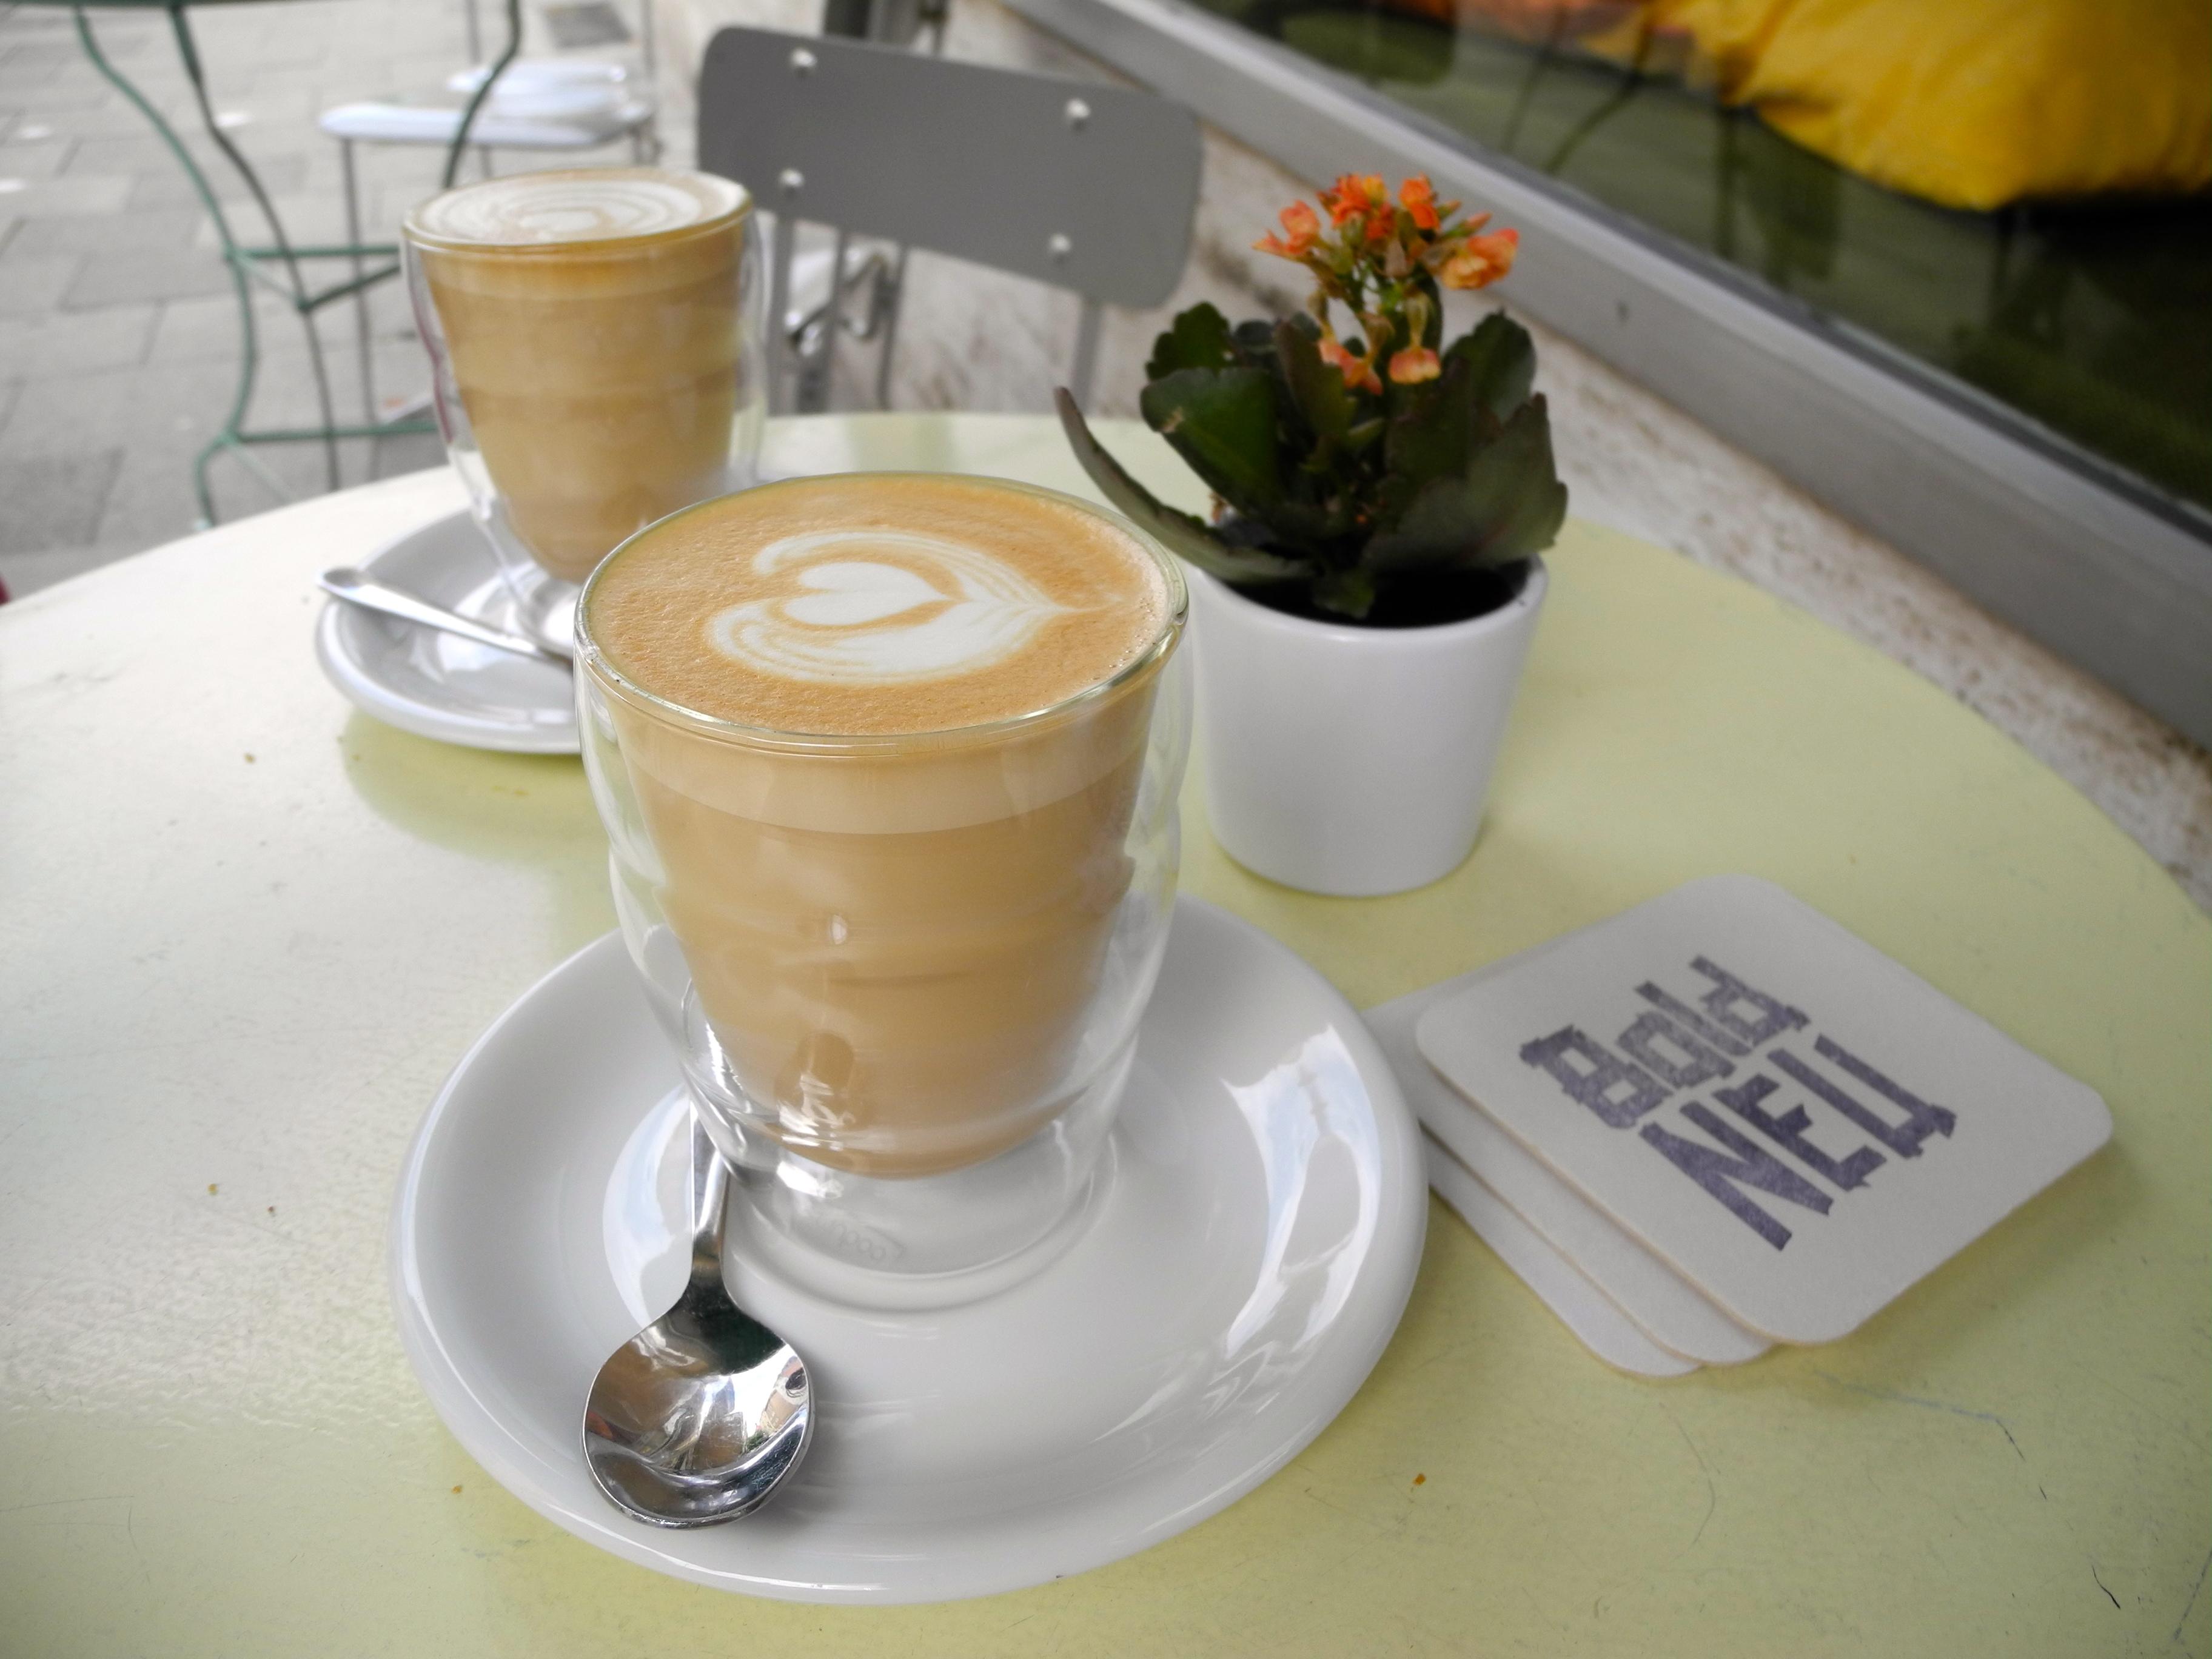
x,y
358,587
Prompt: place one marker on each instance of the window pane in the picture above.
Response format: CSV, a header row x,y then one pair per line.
x,y
2090,311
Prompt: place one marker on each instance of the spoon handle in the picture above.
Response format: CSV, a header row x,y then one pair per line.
x,y
710,1193
356,588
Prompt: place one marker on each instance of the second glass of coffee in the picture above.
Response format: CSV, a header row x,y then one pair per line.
x,y
593,337
889,764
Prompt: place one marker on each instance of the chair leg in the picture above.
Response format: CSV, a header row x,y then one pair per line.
x,y
1086,350
891,292
201,493
454,149
294,285
234,260
778,342
816,372
364,329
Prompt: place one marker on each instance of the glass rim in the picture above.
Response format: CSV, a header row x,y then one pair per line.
x,y
415,236
592,658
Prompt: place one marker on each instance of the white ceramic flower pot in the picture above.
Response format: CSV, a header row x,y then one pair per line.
x,y
1351,761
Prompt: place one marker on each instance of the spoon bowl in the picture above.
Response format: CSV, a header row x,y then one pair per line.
x,y
705,1412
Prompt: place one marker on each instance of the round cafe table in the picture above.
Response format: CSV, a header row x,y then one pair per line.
x,y
247,930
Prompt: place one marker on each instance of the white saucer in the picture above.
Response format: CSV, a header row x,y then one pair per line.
x,y
438,685
1244,1267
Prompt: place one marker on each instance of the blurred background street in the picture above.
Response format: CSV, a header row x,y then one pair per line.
x,y
119,324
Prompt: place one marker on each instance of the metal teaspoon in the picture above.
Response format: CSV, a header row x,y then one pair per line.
x,y
704,1412
357,587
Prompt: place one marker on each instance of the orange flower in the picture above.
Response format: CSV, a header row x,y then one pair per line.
x,y
1413,365
1303,225
1419,197
1481,260
1353,195
1357,372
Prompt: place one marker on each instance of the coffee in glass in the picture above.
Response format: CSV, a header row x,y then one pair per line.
x,y
889,764
596,365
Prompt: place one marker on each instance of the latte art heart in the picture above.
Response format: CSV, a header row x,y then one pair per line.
x,y
881,607
879,603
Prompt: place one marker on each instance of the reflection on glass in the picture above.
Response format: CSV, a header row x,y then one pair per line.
x,y
1906,172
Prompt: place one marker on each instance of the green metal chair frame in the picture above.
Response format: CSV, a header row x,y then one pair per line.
x,y
250,265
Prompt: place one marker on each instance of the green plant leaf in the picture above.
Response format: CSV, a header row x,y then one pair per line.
x,y
1310,528
1509,504
1222,421
1487,371
1180,531
1435,435
1317,391
1253,342
1348,593
1501,363
1198,338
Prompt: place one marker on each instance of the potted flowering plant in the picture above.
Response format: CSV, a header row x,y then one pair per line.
x,y
1369,581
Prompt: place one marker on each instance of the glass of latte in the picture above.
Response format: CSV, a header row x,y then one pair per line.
x,y
888,765
594,342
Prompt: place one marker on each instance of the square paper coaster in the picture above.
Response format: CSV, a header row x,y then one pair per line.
x,y
1604,1330
1795,1124
1665,1308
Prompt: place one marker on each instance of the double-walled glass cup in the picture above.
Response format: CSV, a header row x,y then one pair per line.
x,y
594,339
903,973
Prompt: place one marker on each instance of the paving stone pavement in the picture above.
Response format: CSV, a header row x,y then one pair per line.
x,y
118,322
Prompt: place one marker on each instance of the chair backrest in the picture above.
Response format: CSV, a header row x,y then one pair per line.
x,y
1084,186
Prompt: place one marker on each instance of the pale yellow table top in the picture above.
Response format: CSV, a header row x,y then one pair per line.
x,y
244,932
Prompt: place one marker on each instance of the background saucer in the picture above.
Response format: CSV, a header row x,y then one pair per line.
x,y
1243,1271
438,685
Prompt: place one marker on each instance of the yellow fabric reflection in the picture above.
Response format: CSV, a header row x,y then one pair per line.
x,y
1973,104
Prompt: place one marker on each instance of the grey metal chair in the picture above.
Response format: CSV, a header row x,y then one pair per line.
x,y
1083,187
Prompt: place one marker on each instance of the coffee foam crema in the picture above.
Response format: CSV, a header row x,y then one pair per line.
x,y
597,204
861,603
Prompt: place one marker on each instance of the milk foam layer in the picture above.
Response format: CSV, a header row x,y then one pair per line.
x,y
881,608
879,604
532,209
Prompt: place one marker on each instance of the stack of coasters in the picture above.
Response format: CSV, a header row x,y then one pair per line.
x,y
1719,1121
